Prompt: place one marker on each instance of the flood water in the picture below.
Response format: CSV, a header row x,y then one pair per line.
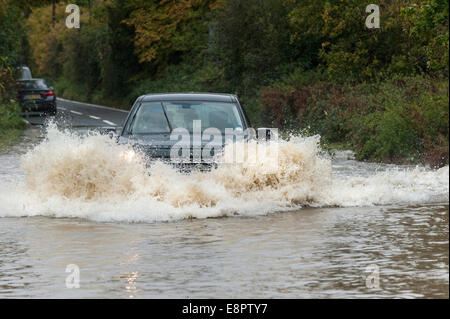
x,y
380,231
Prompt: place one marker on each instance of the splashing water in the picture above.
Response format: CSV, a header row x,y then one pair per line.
x,y
92,177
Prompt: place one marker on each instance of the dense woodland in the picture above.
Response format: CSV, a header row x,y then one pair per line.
x,y
300,65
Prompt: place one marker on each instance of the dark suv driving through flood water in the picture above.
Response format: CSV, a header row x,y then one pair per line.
x,y
159,123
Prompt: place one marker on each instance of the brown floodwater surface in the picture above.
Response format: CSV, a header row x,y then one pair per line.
x,y
326,228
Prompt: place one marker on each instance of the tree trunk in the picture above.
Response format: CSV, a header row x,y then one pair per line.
x,y
53,12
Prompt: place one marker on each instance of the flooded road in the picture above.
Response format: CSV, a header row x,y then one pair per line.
x,y
314,253
381,231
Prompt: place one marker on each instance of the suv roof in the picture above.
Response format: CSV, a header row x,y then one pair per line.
x,y
23,73
216,97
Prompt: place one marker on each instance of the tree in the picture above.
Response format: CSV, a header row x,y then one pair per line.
x,y
252,41
165,30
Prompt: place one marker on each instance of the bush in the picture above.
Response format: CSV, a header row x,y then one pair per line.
x,y
404,119
410,125
10,119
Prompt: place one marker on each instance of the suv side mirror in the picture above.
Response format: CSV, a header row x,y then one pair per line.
x,y
109,130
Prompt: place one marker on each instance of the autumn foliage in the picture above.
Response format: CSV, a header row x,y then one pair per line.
x,y
295,64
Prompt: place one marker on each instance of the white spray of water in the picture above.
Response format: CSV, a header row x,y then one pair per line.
x,y
93,177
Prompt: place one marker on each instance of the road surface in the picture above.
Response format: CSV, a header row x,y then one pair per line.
x,y
77,114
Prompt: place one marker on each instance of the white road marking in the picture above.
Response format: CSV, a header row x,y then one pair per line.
x,y
75,112
110,123
93,105
94,117
62,108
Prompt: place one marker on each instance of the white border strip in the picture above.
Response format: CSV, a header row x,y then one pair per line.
x,y
92,105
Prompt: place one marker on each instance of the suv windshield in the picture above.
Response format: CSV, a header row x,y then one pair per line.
x,y
157,117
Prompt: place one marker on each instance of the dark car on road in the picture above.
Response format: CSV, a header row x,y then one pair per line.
x,y
156,124
36,96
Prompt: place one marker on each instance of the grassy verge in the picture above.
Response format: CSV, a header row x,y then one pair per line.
x,y
72,91
11,124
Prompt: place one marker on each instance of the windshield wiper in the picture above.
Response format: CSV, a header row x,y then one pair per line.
x,y
167,118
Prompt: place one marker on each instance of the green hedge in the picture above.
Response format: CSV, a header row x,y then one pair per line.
x,y
404,119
